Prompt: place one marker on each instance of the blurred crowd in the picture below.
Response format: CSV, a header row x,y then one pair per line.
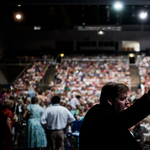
x,y
77,83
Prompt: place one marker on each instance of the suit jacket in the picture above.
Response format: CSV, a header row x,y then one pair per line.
x,y
15,107
103,129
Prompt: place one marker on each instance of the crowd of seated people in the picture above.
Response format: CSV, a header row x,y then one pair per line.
x,y
32,76
89,77
78,83
144,72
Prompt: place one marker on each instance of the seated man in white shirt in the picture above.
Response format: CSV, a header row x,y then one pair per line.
x,y
56,118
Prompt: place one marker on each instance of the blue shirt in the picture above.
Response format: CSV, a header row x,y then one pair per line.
x,y
35,110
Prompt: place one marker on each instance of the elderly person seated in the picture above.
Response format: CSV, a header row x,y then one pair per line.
x,y
81,114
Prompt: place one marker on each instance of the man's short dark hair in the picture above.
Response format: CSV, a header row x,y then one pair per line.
x,y
78,96
34,100
112,89
13,98
55,100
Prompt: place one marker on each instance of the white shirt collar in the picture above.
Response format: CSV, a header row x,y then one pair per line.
x,y
56,104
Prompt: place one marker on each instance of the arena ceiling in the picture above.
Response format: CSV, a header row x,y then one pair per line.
x,y
65,14
69,2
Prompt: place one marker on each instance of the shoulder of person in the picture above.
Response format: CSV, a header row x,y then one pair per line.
x,y
48,109
40,107
62,107
29,106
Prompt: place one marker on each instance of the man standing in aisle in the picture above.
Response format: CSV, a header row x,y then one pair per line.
x,y
106,125
56,118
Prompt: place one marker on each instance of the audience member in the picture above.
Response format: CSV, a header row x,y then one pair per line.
x,y
76,111
15,111
1,103
22,122
56,118
74,101
81,114
3,94
86,108
6,125
20,102
35,136
47,103
111,118
42,105
28,101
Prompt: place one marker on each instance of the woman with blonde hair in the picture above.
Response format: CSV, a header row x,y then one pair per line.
x,y
6,124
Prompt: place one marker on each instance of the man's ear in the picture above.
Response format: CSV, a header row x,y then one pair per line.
x,y
109,100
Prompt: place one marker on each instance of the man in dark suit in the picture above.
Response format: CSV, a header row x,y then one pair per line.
x,y
106,125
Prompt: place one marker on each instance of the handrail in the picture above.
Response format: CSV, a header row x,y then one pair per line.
x,y
22,72
21,60
94,59
28,66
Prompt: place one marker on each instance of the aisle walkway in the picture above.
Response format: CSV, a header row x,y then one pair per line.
x,y
135,79
49,76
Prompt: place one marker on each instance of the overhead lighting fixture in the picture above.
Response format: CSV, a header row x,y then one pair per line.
x,y
143,15
131,55
18,16
19,5
37,28
61,55
100,33
118,6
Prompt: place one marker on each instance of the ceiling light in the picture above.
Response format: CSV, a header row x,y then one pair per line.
x,y
100,33
143,15
18,16
131,55
61,55
37,28
118,6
